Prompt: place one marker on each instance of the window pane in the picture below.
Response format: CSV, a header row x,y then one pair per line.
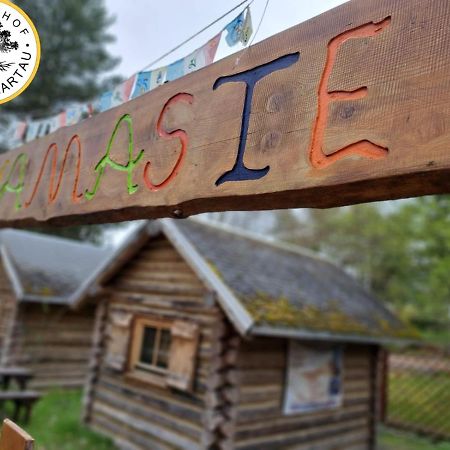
x,y
164,347
148,345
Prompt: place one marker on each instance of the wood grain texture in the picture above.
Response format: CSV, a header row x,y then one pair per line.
x,y
351,106
138,414
14,438
53,342
260,423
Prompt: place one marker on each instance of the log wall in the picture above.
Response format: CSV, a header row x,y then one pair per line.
x,y
158,282
260,424
54,342
238,391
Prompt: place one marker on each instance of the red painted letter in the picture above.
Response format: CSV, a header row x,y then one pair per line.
x,y
180,134
52,190
363,148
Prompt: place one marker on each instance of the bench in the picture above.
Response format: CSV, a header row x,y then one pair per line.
x,y
20,374
23,400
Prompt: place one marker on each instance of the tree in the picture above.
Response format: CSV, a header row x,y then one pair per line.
x,y
6,45
402,254
74,35
74,60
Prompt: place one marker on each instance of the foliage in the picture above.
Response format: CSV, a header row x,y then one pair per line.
x,y
402,254
74,35
91,233
56,424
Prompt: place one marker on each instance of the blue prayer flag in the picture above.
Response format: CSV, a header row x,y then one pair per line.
x,y
175,70
142,84
234,30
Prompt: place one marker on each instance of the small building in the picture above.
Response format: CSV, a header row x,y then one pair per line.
x,y
208,338
40,278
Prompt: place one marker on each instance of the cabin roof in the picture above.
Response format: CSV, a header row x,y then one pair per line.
x,y
290,291
265,288
46,268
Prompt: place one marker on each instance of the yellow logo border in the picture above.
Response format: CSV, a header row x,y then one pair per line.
x,y
38,45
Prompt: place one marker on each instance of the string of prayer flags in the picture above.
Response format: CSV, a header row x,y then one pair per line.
x,y
238,30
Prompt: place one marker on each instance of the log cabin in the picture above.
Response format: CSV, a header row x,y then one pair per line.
x,y
208,338
40,277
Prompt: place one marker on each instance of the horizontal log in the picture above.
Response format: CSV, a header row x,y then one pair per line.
x,y
189,408
44,385
137,408
295,421
349,107
125,437
144,426
311,435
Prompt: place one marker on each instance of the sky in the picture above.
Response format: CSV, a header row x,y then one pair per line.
x,y
146,29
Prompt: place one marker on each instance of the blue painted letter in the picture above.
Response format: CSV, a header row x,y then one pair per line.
x,y
250,77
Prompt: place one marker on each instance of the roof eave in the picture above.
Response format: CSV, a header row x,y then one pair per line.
x,y
92,284
230,304
43,299
288,333
12,273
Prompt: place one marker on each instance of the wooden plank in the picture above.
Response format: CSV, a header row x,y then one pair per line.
x,y
348,107
14,438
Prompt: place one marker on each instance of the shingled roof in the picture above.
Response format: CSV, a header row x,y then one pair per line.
x,y
288,291
265,288
45,268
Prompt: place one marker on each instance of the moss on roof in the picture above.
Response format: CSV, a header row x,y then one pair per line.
x,y
289,289
281,312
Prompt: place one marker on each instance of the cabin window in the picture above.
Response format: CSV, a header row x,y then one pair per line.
x,y
150,348
163,352
155,346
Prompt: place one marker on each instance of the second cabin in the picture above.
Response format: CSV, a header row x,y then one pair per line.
x,y
206,338
41,277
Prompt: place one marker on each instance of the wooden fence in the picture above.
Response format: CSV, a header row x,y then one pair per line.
x,y
418,392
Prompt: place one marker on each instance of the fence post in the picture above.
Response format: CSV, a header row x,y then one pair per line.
x,y
384,383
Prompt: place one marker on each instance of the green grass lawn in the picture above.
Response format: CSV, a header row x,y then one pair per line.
x,y
56,424
420,400
389,439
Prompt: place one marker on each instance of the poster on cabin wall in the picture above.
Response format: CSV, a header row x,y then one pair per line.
x,y
313,378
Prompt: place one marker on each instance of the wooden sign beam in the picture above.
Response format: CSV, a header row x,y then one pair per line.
x,y
351,106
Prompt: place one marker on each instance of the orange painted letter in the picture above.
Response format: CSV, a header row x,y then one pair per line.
x,y
180,134
363,148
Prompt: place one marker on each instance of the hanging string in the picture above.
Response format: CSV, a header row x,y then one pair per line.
x,y
157,60
260,22
254,35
